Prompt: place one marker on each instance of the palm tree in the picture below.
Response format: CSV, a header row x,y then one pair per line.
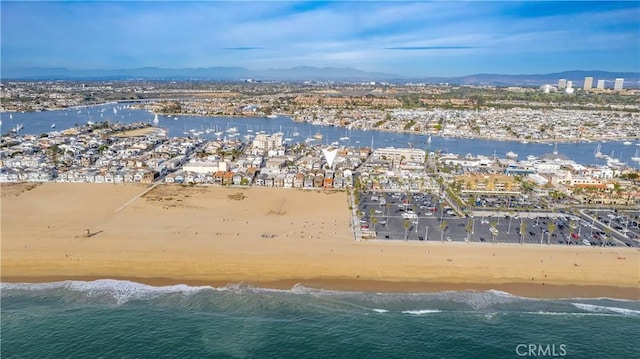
x,y
469,228
443,227
406,225
607,232
551,227
511,214
374,221
523,229
386,214
494,231
572,226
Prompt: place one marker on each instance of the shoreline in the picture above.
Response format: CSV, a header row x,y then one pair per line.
x,y
519,289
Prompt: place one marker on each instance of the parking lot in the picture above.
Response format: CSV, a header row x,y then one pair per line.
x,y
396,216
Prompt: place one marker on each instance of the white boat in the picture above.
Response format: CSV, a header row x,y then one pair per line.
x,y
511,154
344,138
53,125
272,116
597,153
627,143
636,157
232,130
317,136
17,128
614,162
295,134
524,142
155,120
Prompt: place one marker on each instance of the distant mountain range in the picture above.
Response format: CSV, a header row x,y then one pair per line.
x,y
306,73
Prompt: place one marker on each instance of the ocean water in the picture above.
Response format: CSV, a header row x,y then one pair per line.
x,y
121,319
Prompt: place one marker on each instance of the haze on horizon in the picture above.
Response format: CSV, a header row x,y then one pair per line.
x,y
398,37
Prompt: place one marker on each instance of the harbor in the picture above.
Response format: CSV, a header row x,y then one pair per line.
x,y
245,127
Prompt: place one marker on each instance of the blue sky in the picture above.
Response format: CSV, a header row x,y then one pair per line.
x,y
395,37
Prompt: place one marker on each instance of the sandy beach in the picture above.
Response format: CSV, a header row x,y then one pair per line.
x,y
270,237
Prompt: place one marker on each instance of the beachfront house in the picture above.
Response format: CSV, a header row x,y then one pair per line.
x,y
318,181
269,181
218,176
237,178
288,180
260,179
308,181
227,178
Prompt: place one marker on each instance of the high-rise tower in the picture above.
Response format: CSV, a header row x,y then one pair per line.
x,y
562,83
617,86
588,83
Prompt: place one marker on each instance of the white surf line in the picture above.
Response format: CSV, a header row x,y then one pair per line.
x,y
135,198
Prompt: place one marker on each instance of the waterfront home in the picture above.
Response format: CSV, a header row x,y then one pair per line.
x,y
237,178
227,178
318,181
268,181
308,181
288,180
298,181
260,178
149,176
218,176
